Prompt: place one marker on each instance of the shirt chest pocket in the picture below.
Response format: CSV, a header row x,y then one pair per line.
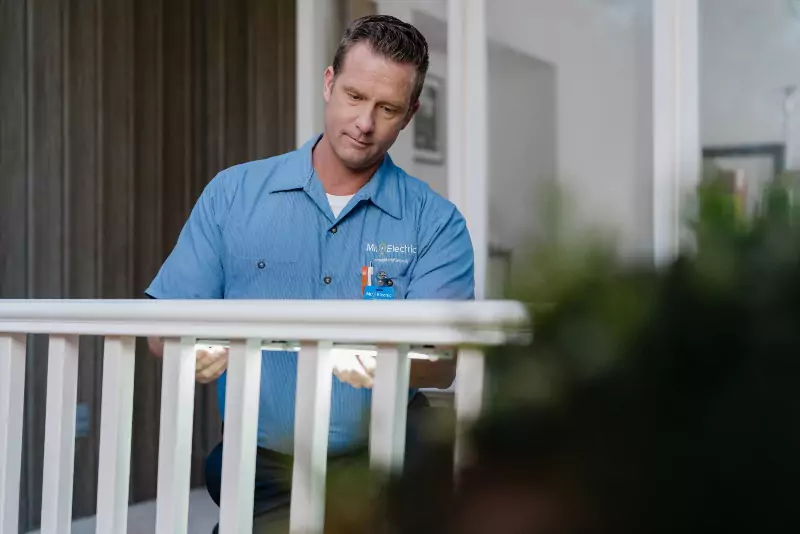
x,y
272,245
262,265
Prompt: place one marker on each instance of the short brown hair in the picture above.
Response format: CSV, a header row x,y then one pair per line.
x,y
389,37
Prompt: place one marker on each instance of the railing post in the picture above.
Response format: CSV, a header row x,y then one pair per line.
x,y
119,366
242,395
311,425
59,434
12,398
469,396
389,408
175,437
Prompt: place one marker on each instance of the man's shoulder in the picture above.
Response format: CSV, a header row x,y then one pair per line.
x,y
239,188
245,182
423,200
256,170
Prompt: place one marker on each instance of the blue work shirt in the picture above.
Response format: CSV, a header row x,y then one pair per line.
x,y
265,230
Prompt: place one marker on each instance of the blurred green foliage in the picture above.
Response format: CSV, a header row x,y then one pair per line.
x,y
664,397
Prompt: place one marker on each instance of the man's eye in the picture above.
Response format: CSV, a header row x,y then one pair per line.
x,y
389,111
353,96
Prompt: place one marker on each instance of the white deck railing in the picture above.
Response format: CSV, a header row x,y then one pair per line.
x,y
313,327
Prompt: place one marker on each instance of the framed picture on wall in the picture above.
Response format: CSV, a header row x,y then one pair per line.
x,y
429,123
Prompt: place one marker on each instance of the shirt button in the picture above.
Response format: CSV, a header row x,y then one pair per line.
x,y
327,279
334,230
261,264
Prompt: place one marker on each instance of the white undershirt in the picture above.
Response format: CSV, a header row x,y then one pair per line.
x,y
338,203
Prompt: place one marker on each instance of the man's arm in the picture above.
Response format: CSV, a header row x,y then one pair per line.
x,y
444,270
193,270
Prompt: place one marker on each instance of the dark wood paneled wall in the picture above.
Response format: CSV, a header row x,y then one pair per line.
x,y
114,114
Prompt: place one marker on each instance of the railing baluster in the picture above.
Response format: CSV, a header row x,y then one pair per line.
x,y
311,424
59,434
12,398
119,365
242,394
389,408
469,396
175,438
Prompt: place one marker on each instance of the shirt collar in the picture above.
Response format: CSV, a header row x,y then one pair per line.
x,y
383,189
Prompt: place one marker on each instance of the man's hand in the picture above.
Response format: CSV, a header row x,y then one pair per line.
x,y
354,369
211,362
358,370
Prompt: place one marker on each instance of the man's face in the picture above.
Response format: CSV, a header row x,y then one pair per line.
x,y
368,104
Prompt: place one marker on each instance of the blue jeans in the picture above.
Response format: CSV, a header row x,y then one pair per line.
x,y
274,470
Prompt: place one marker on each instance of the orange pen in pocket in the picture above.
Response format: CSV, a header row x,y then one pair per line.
x,y
364,278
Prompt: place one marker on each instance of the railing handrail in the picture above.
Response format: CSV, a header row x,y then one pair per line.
x,y
405,321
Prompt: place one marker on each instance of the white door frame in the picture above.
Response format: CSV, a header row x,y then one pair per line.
x,y
315,25
467,123
676,120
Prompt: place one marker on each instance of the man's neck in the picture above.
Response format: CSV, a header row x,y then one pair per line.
x,y
336,178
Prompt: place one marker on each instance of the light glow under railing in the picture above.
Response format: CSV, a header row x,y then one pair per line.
x,y
408,330
416,352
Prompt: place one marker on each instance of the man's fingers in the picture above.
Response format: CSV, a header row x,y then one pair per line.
x,y
347,376
202,360
210,363
368,363
353,377
207,356
213,371
352,370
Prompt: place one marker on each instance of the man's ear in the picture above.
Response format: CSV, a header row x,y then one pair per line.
x,y
330,79
410,115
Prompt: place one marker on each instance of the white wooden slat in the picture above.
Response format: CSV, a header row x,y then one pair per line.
x,y
12,395
389,408
175,438
119,365
677,151
311,425
469,396
59,435
242,394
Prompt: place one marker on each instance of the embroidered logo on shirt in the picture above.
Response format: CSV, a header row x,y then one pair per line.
x,y
392,253
384,249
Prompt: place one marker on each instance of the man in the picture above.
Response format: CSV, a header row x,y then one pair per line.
x,y
303,225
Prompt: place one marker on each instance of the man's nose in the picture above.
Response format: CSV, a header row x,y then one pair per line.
x,y
365,122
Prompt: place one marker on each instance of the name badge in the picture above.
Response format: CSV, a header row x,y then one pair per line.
x,y
378,293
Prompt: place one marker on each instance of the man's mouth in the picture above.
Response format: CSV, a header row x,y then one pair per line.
x,y
357,142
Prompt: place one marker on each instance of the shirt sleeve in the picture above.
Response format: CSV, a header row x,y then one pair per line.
x,y
445,266
193,270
